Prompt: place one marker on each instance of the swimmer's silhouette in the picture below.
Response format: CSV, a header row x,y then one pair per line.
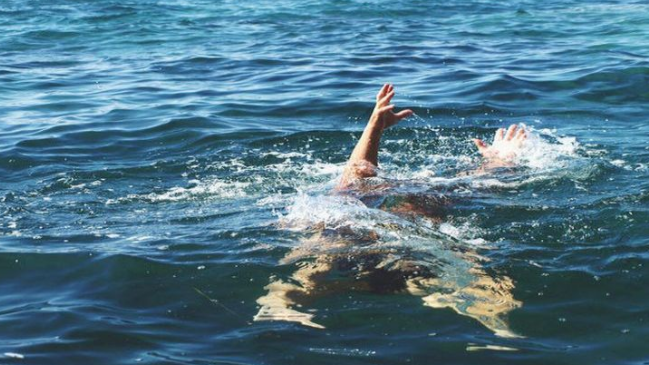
x,y
326,264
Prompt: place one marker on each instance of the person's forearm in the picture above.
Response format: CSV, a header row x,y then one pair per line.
x,y
364,159
367,148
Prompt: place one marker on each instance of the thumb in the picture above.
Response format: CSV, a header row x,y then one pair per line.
x,y
480,144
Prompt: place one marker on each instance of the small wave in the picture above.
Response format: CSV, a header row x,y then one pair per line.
x,y
198,190
214,188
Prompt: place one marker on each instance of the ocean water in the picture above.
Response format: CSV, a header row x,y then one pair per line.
x,y
163,162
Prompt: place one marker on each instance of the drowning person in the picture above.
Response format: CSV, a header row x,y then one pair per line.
x,y
381,269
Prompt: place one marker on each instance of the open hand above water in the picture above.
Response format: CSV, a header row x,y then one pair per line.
x,y
506,146
383,113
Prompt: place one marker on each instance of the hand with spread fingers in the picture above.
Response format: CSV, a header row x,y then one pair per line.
x,y
383,113
506,146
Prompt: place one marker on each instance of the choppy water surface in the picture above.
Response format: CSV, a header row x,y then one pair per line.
x,y
160,159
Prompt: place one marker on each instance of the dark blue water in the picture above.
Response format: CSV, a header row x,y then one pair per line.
x,y
159,159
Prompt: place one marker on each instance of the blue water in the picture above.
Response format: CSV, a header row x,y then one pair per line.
x,y
159,159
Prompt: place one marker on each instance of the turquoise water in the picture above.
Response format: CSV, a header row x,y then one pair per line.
x,y
159,159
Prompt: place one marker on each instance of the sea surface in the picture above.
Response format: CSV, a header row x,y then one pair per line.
x,y
160,159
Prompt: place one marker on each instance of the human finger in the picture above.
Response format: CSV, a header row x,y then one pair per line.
x,y
382,92
521,134
480,144
510,132
404,114
386,99
500,133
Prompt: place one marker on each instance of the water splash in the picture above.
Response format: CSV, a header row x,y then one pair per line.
x,y
545,150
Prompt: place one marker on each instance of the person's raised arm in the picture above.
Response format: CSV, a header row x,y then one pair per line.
x,y
364,159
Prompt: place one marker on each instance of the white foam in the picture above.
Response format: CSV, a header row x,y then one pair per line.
x,y
332,211
207,189
538,153
545,155
14,355
465,232
211,188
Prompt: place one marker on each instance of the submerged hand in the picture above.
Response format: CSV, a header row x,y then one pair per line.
x,y
506,145
383,113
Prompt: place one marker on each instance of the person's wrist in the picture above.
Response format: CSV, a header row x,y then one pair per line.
x,y
375,122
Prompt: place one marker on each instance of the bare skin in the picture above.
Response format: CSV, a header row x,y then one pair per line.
x,y
364,159
505,143
506,147
486,298
363,162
